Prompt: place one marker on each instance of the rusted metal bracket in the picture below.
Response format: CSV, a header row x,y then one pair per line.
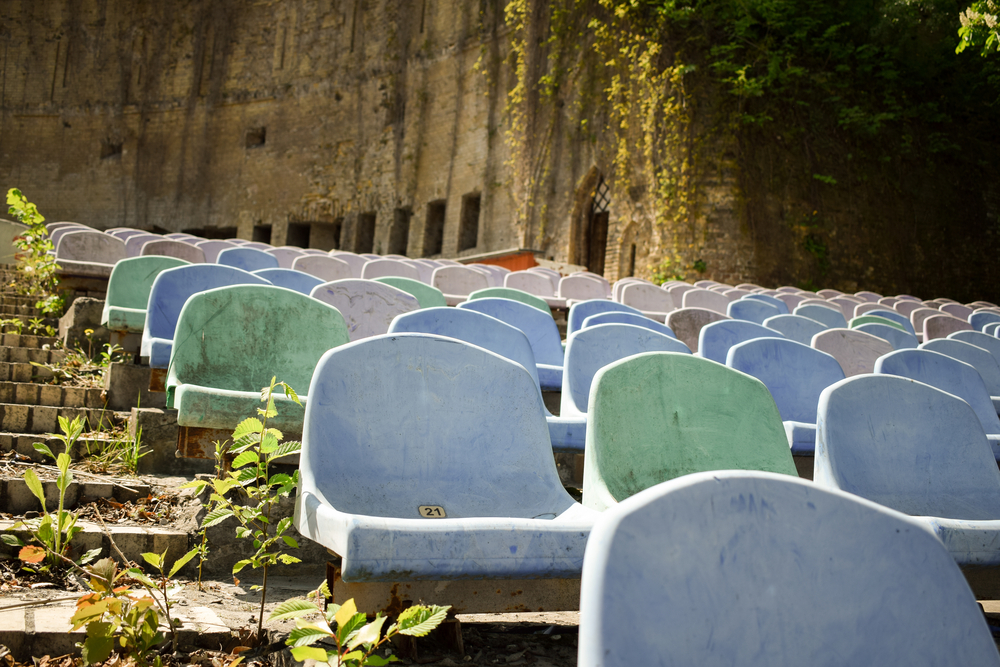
x,y
158,379
466,596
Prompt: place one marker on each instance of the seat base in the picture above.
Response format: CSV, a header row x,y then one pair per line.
x,y
482,596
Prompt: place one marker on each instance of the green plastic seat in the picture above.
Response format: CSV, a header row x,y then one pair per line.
x,y
230,342
874,319
128,291
428,296
660,415
511,293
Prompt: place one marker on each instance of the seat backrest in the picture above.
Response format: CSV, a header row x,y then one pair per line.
x,y
581,310
890,314
794,373
686,323
237,338
786,557
906,307
979,358
474,328
458,280
856,350
380,268
980,319
989,343
846,304
618,317
174,248
863,308
830,315
908,446
918,315
135,243
246,258
531,282
286,255
900,340
368,306
790,299
580,287
828,293
132,279
944,373
590,349
957,310
356,262
213,247
868,296
647,297
324,267
661,415
773,300
447,424
426,295
172,288
539,327
707,299
59,232
795,327
715,338
290,279
941,325
752,310
512,294
90,246
871,318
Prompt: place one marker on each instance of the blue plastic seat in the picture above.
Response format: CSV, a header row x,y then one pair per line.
x,y
980,320
590,349
899,318
774,301
491,334
539,327
796,375
289,279
615,317
979,358
247,258
170,291
581,310
765,570
989,343
950,375
830,315
919,450
447,425
232,340
752,310
716,338
900,340
795,327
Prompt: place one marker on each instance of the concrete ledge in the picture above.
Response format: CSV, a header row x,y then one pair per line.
x,y
159,434
127,386
44,630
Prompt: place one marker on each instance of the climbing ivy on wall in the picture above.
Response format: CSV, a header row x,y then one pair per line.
x,y
856,92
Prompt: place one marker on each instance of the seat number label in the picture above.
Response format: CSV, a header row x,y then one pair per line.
x,y
431,511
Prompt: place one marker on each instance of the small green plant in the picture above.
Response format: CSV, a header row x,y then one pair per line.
x,y
35,265
13,323
52,532
119,454
354,639
118,618
255,447
79,369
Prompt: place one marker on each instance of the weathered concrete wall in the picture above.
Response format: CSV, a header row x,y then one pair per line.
x,y
198,115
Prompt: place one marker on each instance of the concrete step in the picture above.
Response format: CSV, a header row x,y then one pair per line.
x,y
23,444
8,310
60,396
25,355
16,499
44,419
23,372
45,630
25,340
12,299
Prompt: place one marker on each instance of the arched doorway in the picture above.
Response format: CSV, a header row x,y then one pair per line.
x,y
589,227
